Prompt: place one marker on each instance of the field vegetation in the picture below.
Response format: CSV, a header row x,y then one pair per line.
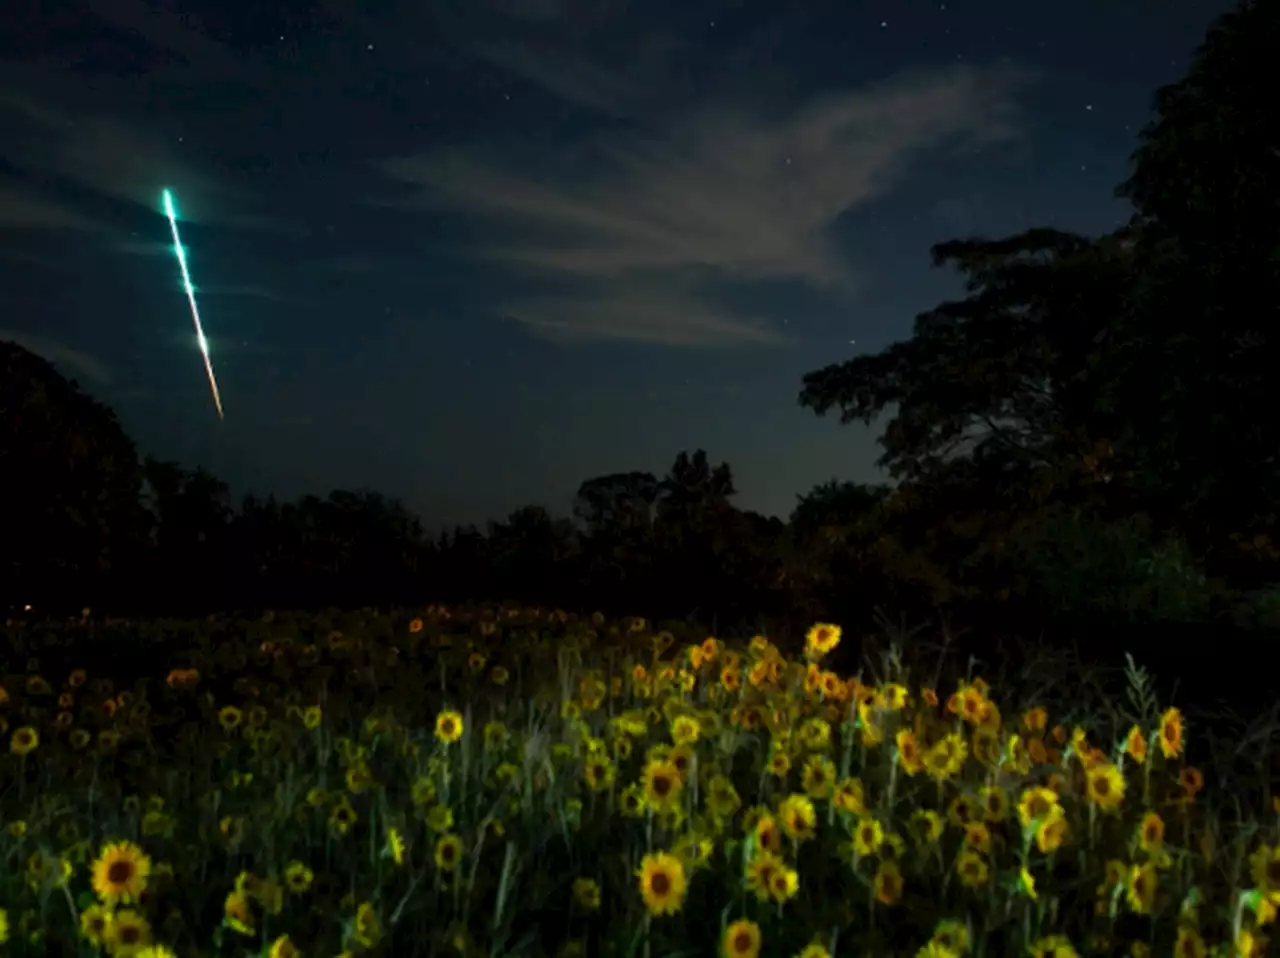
x,y
513,781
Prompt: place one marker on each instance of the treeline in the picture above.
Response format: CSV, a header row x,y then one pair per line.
x,y
1090,435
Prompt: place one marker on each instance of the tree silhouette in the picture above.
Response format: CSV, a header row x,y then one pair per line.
x,y
1197,376
70,511
1004,377
1099,379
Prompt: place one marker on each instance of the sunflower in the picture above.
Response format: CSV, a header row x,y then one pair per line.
x,y
964,808
237,912
298,877
908,751
586,893
952,935
946,757
767,833
797,816
342,817
449,726
925,826
995,803
779,762
1171,733
1051,832
161,951
127,934
1135,745
599,772
662,883
95,924
818,776
1104,784
1140,887
1035,804
120,873
230,717
972,869
722,798
850,796
821,639
741,940
888,883
662,784
868,835
784,882
978,837
631,801
1151,832
760,871
448,852
1191,779
685,729
24,741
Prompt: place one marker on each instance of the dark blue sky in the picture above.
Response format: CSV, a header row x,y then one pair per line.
x,y
472,252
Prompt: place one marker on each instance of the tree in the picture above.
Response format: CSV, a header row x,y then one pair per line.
x,y
1197,378
835,505
70,510
623,500
1003,377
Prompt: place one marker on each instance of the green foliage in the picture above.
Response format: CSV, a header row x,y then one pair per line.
x,y
1077,562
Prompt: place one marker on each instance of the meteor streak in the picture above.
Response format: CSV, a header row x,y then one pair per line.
x,y
191,298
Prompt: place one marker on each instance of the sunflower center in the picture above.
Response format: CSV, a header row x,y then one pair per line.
x,y
660,883
129,934
742,942
661,785
120,872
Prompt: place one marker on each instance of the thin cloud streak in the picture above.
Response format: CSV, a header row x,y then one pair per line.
x,y
646,314
726,194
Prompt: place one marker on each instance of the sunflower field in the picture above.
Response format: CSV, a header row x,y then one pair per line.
x,y
522,782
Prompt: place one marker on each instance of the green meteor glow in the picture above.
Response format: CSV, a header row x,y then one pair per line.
x,y
191,298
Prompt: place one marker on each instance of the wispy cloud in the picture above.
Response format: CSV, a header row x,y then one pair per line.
x,y
263,293
177,33
23,209
724,194
643,312
117,158
59,353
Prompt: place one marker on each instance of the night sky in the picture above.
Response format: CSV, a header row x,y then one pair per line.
x,y
472,252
